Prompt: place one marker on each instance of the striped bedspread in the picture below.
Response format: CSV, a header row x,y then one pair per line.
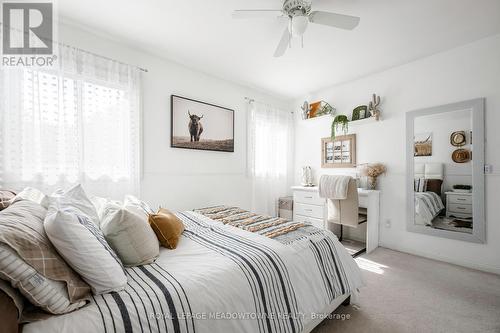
x,y
280,229
221,279
428,205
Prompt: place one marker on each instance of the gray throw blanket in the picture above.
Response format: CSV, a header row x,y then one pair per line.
x,y
334,187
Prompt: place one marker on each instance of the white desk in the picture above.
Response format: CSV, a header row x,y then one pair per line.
x,y
309,207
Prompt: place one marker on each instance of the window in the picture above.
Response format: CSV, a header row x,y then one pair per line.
x,y
269,141
270,163
76,125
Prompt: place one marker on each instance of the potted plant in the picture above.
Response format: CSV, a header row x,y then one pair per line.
x,y
341,122
462,188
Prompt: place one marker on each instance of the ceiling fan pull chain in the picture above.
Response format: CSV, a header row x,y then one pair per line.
x,y
302,41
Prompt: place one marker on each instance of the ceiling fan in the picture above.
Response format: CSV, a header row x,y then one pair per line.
x,y
299,14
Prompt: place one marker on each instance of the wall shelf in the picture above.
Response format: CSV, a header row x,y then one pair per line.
x,y
364,121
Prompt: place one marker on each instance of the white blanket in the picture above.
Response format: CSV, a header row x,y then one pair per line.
x,y
427,206
222,279
333,187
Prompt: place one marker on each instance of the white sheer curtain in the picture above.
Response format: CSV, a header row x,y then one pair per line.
x,y
77,124
270,155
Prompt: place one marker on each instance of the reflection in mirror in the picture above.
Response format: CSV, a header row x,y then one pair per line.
x,y
443,171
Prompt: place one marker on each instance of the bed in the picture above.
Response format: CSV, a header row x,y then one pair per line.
x,y
233,271
428,185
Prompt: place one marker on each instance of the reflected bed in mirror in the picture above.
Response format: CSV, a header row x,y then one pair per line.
x,y
445,175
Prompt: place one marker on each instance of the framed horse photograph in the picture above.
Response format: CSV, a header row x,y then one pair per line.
x,y
200,125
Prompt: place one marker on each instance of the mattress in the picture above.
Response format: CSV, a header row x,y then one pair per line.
x,y
222,278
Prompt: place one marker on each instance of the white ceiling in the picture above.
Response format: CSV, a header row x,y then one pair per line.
x,y
202,35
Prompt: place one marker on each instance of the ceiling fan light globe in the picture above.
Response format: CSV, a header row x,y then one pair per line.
x,y
299,25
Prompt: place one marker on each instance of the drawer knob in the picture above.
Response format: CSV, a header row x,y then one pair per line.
x,y
308,210
308,197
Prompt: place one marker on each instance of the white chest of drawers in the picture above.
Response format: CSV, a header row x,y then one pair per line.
x,y
309,207
458,204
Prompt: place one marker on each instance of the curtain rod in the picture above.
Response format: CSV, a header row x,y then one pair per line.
x,y
251,100
101,56
82,50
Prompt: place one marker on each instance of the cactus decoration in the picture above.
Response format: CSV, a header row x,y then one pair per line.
x,y
305,110
342,122
373,107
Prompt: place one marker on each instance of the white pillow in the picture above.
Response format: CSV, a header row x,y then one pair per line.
x,y
130,235
138,206
84,248
100,206
74,197
31,194
77,238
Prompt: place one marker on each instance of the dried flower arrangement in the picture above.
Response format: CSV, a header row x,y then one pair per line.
x,y
372,171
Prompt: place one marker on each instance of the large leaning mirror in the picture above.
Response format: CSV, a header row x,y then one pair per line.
x,y
445,171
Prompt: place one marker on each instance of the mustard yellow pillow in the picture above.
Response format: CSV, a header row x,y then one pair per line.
x,y
167,227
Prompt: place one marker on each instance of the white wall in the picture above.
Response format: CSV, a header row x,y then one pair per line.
x,y
177,178
464,73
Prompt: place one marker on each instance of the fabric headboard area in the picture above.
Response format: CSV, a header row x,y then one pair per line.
x,y
429,170
433,173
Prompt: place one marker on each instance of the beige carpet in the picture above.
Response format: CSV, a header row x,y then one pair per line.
x,y
406,293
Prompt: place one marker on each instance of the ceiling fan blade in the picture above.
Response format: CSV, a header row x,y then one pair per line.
x,y
334,20
251,13
283,44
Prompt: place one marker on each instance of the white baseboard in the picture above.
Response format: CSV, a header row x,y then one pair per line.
x,y
473,265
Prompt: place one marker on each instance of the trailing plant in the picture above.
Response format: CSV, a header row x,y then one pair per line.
x,y
342,122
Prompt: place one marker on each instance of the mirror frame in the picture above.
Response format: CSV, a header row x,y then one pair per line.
x,y
478,138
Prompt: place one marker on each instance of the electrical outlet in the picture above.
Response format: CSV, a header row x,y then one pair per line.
x,y
387,223
488,168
